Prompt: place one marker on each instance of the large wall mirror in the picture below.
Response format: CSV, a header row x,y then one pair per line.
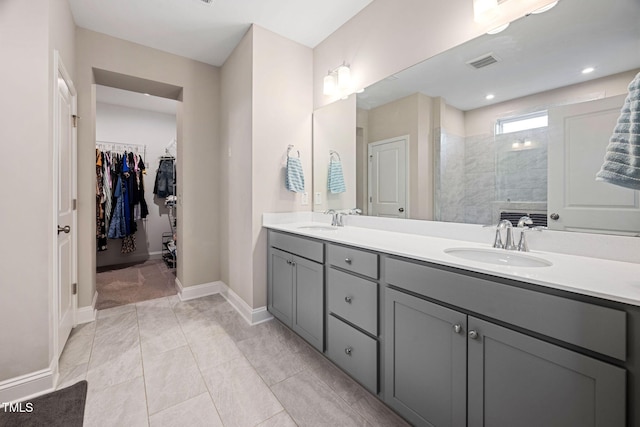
x,y
431,143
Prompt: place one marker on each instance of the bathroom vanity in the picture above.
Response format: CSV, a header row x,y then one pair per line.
x,y
447,341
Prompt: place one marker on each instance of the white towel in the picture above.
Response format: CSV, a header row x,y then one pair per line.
x,y
622,160
335,177
294,176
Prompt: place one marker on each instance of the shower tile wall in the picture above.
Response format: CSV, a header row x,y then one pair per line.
x,y
481,174
450,184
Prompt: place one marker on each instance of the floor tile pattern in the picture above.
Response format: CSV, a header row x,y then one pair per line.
x,y
166,362
130,283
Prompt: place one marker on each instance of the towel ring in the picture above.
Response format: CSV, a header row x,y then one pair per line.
x,y
289,148
334,153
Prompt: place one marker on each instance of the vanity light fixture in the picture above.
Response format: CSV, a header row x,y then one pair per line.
x,y
588,70
337,82
499,29
545,8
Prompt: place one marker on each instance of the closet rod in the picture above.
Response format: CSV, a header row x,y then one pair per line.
x,y
123,146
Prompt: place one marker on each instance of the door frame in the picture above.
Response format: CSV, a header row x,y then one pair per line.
x,y
370,145
59,69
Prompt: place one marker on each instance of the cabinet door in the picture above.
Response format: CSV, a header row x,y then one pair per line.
x,y
425,361
308,319
517,380
280,283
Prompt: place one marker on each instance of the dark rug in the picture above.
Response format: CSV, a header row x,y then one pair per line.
x,y
61,408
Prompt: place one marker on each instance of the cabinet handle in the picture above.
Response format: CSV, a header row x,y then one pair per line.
x,y
293,263
289,262
473,334
348,351
347,260
347,300
457,328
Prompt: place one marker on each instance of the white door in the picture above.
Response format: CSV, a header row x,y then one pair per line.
x,y
65,194
388,178
579,137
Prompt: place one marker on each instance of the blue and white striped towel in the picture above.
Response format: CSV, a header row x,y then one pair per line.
x,y
294,176
335,177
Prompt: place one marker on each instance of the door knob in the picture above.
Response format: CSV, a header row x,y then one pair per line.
x,y
347,299
401,210
348,351
473,335
554,216
65,229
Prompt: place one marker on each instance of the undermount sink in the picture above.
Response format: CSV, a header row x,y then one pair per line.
x,y
318,228
498,257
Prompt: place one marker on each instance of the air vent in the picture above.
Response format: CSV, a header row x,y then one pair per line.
x,y
207,1
483,61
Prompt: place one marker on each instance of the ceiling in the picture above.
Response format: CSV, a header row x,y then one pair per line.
x,y
126,98
537,53
209,32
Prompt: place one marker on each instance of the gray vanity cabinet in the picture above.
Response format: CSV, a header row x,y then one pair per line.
x,y
444,368
517,380
296,286
426,361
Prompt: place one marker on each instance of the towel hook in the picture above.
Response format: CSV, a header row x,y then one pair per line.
x,y
334,153
289,148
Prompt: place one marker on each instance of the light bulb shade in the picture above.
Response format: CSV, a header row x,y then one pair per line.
x,y
484,10
344,78
329,85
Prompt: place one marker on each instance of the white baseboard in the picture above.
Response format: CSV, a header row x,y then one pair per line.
x,y
87,314
191,292
253,316
28,386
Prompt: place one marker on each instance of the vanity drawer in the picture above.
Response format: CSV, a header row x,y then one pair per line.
x,y
356,260
354,352
306,248
597,328
354,299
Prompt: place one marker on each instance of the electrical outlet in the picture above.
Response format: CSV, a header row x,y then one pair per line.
x,y
317,199
305,199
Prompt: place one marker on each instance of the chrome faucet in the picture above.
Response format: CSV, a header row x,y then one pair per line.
x,y
524,224
508,243
336,217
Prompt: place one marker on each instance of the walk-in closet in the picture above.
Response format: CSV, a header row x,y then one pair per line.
x,y
136,150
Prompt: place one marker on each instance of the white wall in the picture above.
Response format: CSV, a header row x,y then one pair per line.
x,y
155,130
390,35
334,128
29,31
198,165
266,105
236,138
282,110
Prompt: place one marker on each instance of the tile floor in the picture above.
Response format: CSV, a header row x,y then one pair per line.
x,y
165,362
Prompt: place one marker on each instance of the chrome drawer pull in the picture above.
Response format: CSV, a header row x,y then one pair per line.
x,y
347,260
457,328
348,351
473,335
347,300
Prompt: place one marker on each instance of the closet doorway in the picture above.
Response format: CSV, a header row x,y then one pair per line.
x,y
136,151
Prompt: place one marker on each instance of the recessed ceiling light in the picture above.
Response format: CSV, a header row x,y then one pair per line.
x,y
146,94
588,70
489,97
545,8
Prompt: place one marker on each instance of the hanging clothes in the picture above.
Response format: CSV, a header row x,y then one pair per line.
x,y
164,178
101,225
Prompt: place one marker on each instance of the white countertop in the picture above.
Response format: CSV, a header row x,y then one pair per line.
x,y
611,280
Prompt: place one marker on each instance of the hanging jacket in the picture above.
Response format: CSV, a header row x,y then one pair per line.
x,y
164,179
117,227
